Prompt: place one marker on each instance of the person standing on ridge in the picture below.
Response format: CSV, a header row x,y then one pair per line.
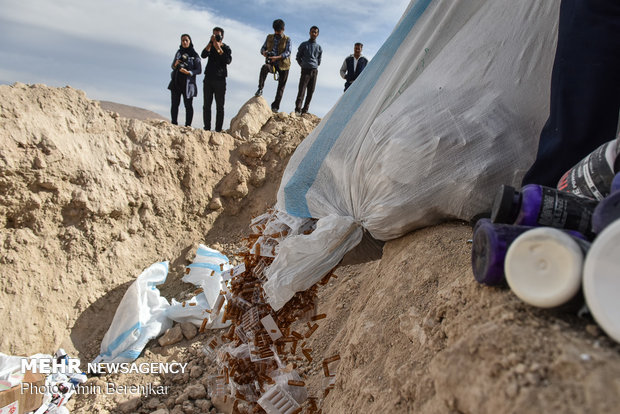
x,y
277,52
309,58
219,55
185,66
353,65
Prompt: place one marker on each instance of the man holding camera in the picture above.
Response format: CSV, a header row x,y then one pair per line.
x,y
219,55
277,52
308,56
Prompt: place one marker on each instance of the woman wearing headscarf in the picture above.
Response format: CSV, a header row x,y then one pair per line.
x,y
185,66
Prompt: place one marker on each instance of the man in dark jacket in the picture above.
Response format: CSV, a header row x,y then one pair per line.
x,y
277,52
308,56
353,65
219,55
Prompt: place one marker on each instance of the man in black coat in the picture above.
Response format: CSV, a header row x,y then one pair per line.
x,y
216,71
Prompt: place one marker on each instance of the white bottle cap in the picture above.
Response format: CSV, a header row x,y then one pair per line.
x,y
543,267
601,280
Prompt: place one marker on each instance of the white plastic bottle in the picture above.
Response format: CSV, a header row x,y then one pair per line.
x,y
601,280
544,267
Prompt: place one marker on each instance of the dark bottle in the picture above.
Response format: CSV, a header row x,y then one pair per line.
x,y
540,206
591,177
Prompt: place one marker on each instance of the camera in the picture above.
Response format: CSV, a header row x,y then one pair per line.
x,y
267,60
184,61
218,37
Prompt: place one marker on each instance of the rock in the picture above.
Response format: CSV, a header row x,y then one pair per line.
x,y
153,403
189,330
129,405
215,204
216,139
258,177
39,163
161,411
188,408
593,330
172,336
195,372
203,405
250,118
196,391
234,185
254,149
181,398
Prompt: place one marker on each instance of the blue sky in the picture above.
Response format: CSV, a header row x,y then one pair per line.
x,y
121,50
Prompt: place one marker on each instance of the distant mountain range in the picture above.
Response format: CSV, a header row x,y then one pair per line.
x,y
128,111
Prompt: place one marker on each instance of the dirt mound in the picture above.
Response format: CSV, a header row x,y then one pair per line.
x,y
90,199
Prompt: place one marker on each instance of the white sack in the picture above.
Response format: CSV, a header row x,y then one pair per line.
x,y
448,109
140,316
303,260
205,272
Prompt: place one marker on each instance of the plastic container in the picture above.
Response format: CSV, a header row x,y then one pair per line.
x,y
540,206
489,247
592,176
544,267
601,280
606,212
615,183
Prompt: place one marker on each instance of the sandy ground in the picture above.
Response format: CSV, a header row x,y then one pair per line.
x,y
90,199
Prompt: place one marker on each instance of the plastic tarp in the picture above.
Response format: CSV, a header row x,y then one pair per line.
x,y
140,316
448,109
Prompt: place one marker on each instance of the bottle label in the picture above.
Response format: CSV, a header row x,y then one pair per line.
x,y
591,177
566,211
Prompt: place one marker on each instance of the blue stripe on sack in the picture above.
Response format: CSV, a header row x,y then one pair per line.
x,y
120,339
211,266
298,186
207,253
129,354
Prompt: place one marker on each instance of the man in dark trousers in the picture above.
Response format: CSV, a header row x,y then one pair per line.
x,y
585,88
219,55
308,56
277,52
353,65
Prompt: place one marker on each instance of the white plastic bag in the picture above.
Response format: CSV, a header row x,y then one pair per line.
x,y
205,272
317,253
10,371
140,316
448,109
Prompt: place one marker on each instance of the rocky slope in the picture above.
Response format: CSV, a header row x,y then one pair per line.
x,y
89,199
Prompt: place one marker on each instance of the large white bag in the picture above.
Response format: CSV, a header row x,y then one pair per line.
x,y
140,316
448,109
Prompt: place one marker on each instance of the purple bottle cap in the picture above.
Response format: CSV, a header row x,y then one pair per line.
x,y
490,243
606,212
615,183
506,205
